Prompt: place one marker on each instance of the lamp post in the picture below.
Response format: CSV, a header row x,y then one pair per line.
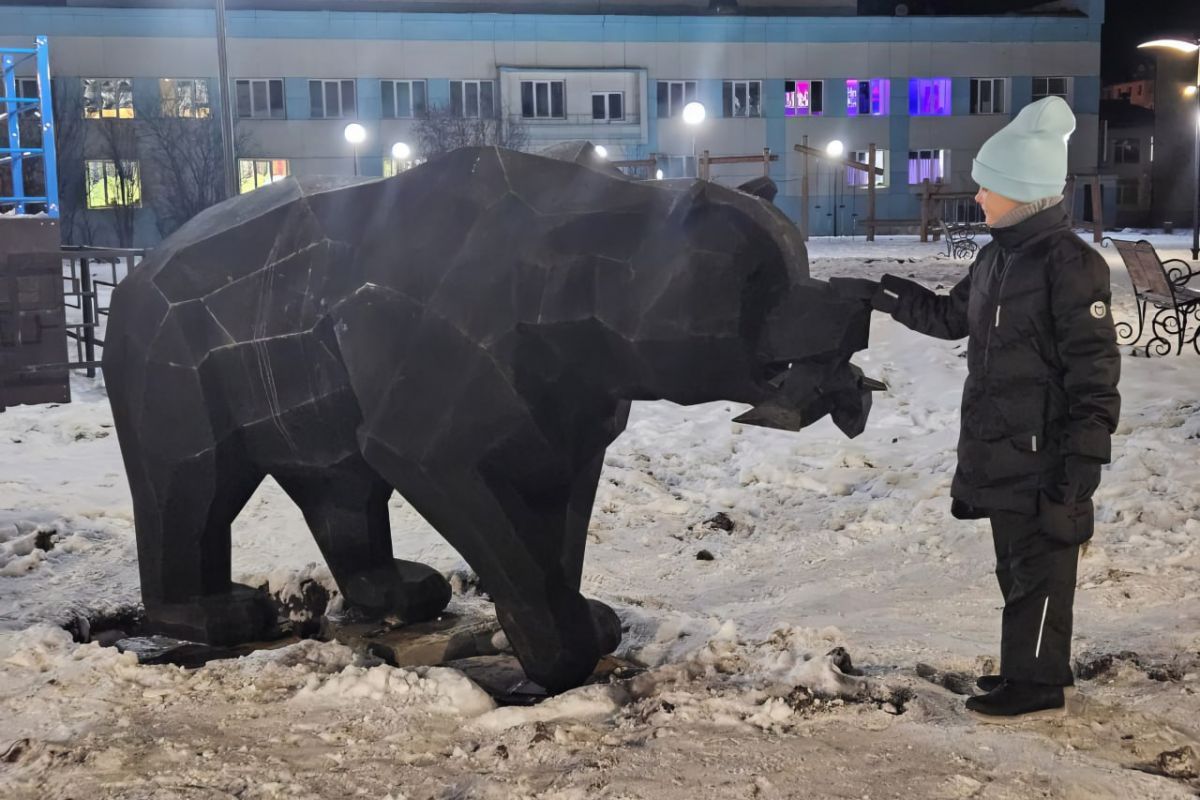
x,y
1189,47
355,134
227,109
693,115
835,150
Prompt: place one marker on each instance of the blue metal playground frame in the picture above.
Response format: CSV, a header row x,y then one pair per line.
x,y
14,153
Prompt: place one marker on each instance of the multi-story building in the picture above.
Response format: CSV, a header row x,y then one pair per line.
x,y
926,90
1138,93
1127,153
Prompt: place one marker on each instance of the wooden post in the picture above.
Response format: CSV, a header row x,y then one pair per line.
x,y
704,166
871,193
1097,211
925,202
766,162
804,194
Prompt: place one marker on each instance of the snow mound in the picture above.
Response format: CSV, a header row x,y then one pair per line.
x,y
440,690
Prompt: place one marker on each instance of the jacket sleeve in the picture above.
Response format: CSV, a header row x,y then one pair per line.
x,y
1086,340
925,311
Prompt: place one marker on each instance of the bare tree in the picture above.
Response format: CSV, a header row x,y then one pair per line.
x,y
75,221
115,142
441,130
183,164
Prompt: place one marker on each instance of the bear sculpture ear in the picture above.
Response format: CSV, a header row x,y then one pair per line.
x,y
762,187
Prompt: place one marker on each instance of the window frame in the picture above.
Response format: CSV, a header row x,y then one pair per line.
x,y
943,161
1068,87
815,99
729,90
884,85
460,109
976,102
1121,146
944,97
108,180
530,89
608,96
343,88
171,104
250,98
857,178
1123,186
255,162
122,101
22,82
394,84
689,90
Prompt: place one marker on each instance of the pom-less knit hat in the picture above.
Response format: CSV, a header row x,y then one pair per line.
x,y
1026,160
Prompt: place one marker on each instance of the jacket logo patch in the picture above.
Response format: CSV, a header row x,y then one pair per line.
x,y
1099,309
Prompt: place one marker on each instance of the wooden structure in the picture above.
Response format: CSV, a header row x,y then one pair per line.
x,y
1093,182
1165,288
870,169
33,326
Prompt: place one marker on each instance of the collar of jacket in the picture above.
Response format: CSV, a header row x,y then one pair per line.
x,y
1034,229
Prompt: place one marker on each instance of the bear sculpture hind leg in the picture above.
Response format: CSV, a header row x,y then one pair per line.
x,y
345,507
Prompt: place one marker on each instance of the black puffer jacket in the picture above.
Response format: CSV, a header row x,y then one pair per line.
x,y
1042,361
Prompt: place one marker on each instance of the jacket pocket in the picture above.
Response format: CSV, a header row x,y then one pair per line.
x,y
1069,523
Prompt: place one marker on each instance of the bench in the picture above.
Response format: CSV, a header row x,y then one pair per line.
x,y
960,238
1163,286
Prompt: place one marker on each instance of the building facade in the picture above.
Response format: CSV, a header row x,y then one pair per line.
x,y
925,90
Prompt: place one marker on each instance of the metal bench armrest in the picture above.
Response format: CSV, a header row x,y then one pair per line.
x,y
1179,275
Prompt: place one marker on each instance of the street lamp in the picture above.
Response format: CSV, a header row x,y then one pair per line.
x,y
401,151
355,134
601,151
694,114
835,149
1189,47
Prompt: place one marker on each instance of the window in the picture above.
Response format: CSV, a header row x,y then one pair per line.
x,y
472,99
1047,87
256,172
184,97
868,98
608,106
856,177
403,98
331,99
107,98
804,98
673,96
929,97
1127,151
111,185
924,164
260,98
27,87
1127,192
988,95
542,100
394,166
742,98
677,166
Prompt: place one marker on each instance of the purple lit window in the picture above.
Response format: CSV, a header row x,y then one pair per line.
x,y
929,97
804,98
924,164
868,98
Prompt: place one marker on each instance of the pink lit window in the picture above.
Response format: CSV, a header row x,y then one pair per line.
x,y
804,98
868,97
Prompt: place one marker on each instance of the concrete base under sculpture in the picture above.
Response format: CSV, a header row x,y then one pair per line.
x,y
469,333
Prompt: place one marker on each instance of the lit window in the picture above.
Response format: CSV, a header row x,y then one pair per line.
x,y
804,98
673,96
857,177
926,164
1051,87
331,99
184,97
472,99
394,166
929,97
742,98
608,106
1127,151
108,98
868,98
403,98
543,99
112,183
988,95
256,172
260,98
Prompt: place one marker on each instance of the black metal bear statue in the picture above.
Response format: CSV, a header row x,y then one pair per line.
x,y
469,333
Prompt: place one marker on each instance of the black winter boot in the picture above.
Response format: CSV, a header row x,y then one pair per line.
x,y
989,682
1015,698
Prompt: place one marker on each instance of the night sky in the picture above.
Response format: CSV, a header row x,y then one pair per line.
x,y
1130,22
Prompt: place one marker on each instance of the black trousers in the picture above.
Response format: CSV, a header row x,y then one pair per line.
x,y
1037,574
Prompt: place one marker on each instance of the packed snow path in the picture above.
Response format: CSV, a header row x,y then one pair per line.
x,y
833,542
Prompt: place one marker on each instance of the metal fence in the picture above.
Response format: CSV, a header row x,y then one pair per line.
x,y
89,276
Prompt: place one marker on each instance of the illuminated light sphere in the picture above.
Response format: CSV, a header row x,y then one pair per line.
x,y
835,149
355,133
694,113
1178,45
601,151
401,151
1189,91
658,174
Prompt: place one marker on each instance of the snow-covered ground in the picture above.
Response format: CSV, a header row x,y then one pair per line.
x,y
834,542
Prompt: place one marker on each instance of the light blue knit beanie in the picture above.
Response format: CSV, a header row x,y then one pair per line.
x,y
1026,160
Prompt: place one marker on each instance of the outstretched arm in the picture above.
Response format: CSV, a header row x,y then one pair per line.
x,y
923,310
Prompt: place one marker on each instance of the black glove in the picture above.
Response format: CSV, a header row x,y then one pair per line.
x,y
887,299
854,288
1075,481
